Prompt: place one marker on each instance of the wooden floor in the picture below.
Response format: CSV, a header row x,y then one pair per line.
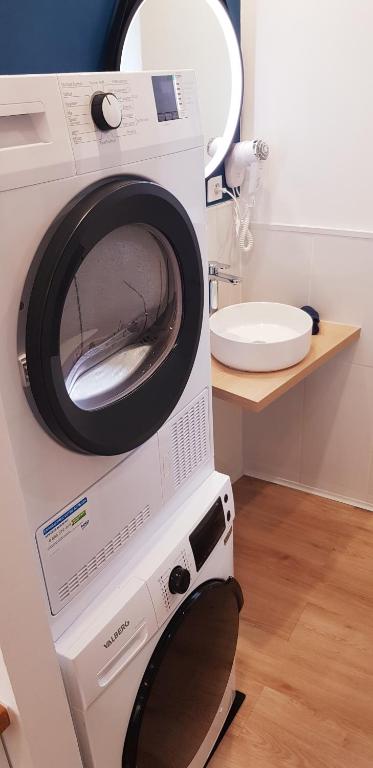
x,y
305,657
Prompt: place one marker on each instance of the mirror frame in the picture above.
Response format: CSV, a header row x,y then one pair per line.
x,y
124,12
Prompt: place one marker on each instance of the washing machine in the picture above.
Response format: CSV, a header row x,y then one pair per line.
x,y
104,344
149,667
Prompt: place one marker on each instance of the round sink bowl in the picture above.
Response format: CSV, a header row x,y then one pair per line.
x,y
260,336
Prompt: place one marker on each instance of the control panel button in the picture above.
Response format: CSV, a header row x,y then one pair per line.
x,y
106,111
179,581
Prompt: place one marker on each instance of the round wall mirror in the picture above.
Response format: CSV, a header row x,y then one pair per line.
x,y
188,34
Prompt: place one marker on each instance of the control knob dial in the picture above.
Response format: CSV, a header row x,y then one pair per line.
x,y
106,111
179,580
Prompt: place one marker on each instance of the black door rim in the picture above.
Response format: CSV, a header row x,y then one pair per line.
x,y
129,756
129,422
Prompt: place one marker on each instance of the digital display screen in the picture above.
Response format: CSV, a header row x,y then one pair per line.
x,y
165,97
207,534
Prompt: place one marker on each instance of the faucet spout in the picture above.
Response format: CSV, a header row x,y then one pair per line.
x,y
216,276
233,279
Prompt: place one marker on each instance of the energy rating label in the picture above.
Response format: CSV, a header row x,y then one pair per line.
x,y
64,525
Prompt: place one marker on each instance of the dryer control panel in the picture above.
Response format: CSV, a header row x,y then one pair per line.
x,y
56,126
113,117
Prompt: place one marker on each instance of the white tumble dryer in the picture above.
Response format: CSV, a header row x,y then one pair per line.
x,y
149,666
104,344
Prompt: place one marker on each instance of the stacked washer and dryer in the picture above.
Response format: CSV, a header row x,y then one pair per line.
x,y
105,380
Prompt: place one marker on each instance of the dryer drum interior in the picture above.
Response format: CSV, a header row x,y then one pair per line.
x,y
185,680
114,316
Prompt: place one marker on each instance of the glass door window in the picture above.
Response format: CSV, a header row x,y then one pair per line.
x,y
121,317
185,682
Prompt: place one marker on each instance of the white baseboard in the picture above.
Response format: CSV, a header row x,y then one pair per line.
x,y
313,491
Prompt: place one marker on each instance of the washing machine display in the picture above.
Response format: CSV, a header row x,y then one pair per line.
x,y
113,318
149,667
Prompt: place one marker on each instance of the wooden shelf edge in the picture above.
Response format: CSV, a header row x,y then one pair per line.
x,y
4,719
298,373
231,397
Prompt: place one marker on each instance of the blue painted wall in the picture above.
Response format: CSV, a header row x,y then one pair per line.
x,y
60,35
53,35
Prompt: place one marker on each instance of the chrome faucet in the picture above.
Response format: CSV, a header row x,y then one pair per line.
x,y
216,276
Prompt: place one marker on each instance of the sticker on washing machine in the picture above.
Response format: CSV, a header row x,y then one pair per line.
x,y
65,524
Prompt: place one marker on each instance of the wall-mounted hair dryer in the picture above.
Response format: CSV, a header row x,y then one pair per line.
x,y
241,157
244,168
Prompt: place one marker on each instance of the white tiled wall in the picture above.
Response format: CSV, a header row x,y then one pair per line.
x,y
228,439
320,435
308,93
228,422
222,248
279,265
313,105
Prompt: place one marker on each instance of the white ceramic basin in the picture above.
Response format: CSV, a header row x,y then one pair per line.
x,y
260,336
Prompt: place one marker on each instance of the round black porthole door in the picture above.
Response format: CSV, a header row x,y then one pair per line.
x,y
185,680
114,316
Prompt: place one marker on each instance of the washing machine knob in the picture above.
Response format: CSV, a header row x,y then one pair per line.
x,y
179,580
106,111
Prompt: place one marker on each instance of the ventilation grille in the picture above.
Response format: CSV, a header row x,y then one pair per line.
x,y
81,577
190,440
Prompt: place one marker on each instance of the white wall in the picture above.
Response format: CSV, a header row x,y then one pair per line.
x,y
228,418
228,422
313,103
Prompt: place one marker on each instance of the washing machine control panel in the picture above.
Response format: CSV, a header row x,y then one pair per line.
x,y
171,581
206,535
169,585
114,118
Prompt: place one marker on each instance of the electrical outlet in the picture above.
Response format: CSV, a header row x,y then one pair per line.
x,y
214,189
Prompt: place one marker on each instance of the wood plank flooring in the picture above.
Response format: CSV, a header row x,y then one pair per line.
x,y
305,656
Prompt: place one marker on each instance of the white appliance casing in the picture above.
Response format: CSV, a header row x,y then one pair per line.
x,y
102,683
44,163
